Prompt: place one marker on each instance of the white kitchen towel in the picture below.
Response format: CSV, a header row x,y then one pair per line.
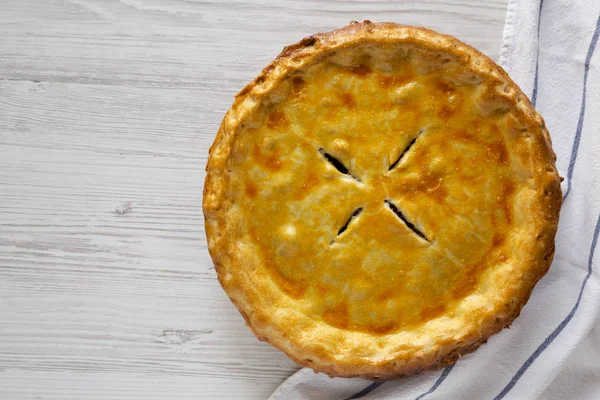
x,y
552,351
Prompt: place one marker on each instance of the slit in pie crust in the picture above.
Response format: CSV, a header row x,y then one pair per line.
x,y
380,201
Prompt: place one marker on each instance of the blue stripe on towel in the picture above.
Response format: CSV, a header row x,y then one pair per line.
x,y
437,383
560,327
537,57
365,391
575,149
375,385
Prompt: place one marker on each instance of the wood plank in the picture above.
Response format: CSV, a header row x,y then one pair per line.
x,y
210,45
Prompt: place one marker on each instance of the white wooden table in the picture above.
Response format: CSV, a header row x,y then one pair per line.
x,y
107,109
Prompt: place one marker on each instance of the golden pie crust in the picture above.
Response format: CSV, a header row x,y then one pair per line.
x,y
380,201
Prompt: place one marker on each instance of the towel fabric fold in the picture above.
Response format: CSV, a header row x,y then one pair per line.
x,y
552,351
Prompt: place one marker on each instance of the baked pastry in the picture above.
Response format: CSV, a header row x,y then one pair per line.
x,y
380,201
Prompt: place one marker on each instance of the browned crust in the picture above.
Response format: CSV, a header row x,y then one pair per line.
x,y
546,179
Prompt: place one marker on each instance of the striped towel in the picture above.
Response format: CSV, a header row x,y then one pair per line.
x,y
552,351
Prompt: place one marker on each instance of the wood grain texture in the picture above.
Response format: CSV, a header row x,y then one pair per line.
x,y
107,109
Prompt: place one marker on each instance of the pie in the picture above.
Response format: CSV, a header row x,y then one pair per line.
x,y
380,200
